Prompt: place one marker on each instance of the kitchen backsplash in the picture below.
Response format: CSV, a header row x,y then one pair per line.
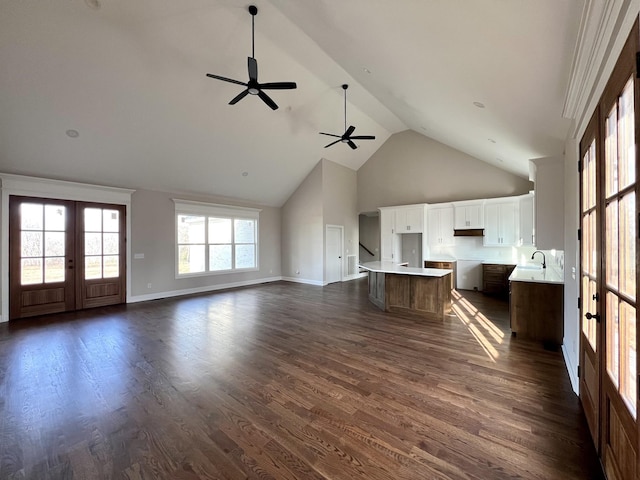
x,y
471,248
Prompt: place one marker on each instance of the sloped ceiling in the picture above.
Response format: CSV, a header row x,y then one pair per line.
x,y
129,76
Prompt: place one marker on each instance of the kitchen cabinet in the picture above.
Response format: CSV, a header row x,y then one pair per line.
x,y
409,219
452,265
500,223
468,214
495,278
527,235
536,312
440,226
389,243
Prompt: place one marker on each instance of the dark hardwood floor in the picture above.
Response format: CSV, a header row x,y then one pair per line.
x,y
285,381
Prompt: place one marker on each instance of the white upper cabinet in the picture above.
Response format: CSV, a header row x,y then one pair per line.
x,y
409,219
501,223
548,177
527,233
469,214
440,225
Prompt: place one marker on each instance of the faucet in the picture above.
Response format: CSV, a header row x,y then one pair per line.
x,y
544,260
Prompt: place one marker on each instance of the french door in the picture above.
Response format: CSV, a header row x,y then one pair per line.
x,y
609,209
64,255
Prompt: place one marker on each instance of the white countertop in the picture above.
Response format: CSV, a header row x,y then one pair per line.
x,y
390,267
542,275
498,262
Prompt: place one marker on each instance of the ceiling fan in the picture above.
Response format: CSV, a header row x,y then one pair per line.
x,y
346,137
253,87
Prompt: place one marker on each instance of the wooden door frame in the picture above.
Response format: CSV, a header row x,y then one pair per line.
x,y
57,190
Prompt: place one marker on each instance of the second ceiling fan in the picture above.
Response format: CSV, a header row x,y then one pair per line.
x,y
346,137
253,87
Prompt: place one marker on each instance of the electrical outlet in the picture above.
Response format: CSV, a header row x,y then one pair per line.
x,y
148,285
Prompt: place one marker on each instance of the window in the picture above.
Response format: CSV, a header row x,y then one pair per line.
x,y
213,239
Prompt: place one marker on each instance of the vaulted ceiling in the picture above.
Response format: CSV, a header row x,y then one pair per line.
x,y
129,77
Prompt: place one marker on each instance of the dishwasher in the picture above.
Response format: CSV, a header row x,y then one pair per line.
x,y
469,275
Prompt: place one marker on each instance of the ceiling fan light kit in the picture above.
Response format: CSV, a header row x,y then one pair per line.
x,y
346,137
253,86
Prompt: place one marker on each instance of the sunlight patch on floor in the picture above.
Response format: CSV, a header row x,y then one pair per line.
x,y
486,333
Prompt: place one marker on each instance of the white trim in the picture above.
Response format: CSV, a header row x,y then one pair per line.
x,y
60,190
571,370
215,209
209,288
318,283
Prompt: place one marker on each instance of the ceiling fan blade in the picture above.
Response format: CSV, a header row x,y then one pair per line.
x,y
363,137
266,99
253,69
332,143
352,145
225,79
278,86
349,131
239,97
330,134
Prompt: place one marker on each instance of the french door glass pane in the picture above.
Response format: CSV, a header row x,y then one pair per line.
x,y
92,244
611,244
92,267
54,269
626,140
31,271
110,220
613,339
627,247
54,218
589,178
611,152
31,216
111,266
54,243
628,359
92,219
31,244
110,243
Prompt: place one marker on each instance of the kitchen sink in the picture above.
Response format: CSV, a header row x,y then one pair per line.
x,y
530,267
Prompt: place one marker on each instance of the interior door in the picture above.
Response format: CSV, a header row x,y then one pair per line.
x,y
609,207
41,252
334,254
64,256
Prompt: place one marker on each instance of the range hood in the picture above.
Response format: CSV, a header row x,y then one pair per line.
x,y
469,232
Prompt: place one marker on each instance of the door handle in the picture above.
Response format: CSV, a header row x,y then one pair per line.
x,y
595,316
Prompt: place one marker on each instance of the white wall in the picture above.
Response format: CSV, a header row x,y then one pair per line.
x,y
411,168
153,234
303,231
340,199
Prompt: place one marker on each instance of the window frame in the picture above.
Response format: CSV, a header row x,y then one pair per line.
x,y
212,210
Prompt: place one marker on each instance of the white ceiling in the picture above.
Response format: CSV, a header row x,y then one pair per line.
x,y
130,78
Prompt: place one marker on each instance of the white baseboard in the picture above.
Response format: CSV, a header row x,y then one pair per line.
x,y
190,291
572,370
304,280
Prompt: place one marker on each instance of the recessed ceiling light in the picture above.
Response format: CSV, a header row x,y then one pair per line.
x,y
491,140
94,4
72,133
244,174
366,70
479,104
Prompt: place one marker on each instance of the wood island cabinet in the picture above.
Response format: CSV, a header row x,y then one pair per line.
x,y
453,265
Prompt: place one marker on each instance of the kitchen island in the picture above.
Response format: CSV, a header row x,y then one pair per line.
x,y
397,288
